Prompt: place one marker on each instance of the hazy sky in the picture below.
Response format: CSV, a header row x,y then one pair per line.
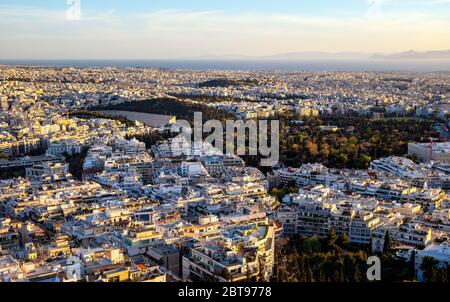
x,y
154,29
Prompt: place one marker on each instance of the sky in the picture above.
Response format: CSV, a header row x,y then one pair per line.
x,y
177,29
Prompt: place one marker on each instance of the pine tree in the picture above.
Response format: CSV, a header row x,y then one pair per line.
x,y
303,272
331,240
428,267
310,274
336,277
357,275
412,265
387,243
370,246
321,276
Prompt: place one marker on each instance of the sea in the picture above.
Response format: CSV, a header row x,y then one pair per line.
x,y
357,65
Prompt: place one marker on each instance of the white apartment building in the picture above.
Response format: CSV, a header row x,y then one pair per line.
x,y
399,166
362,226
69,147
413,234
435,152
47,171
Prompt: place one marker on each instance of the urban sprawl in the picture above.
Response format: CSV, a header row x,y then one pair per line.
x,y
83,199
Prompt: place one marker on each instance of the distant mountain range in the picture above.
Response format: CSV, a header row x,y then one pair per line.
x,y
301,56
318,55
415,55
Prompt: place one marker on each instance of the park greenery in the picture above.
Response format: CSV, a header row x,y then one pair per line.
x,y
16,172
228,83
357,141
353,142
173,107
75,162
333,259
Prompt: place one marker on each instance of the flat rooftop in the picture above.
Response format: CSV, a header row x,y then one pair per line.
x,y
437,147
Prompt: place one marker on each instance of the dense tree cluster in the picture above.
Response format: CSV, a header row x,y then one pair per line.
x,y
15,172
432,272
355,144
279,193
332,259
76,163
228,83
181,109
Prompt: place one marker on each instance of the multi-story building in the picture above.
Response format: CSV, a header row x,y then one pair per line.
x,y
430,152
48,172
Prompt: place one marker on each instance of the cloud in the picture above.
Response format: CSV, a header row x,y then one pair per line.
x,y
14,11
36,14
